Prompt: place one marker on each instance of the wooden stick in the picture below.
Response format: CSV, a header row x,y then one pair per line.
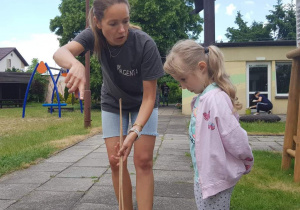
x,y
121,196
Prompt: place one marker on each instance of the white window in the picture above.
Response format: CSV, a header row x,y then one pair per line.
x,y
283,74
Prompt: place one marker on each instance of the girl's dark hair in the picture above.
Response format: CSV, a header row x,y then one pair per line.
x,y
97,10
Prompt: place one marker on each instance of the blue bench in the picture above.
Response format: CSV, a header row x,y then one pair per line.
x,y
63,104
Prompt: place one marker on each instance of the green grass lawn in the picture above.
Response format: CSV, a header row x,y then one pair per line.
x,y
266,187
24,141
264,128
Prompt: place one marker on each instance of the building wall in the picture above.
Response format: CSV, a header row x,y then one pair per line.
x,y
15,62
236,59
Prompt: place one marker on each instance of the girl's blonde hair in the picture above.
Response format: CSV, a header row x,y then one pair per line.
x,y
190,54
97,10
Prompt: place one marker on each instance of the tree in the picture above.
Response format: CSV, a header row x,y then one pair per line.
x,y
281,26
70,22
256,32
38,88
282,21
166,21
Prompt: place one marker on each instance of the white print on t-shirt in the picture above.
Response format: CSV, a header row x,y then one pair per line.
x,y
129,73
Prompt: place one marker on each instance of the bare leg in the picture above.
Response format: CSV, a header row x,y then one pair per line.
x,y
143,161
110,146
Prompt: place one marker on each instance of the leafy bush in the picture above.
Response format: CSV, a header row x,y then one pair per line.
x,y
175,94
72,100
61,98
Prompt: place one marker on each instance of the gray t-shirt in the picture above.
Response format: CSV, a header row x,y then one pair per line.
x,y
124,72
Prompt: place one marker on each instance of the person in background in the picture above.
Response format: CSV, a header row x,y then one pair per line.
x,y
131,65
263,103
218,144
165,89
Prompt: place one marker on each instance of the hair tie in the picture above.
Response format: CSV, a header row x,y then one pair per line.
x,y
206,50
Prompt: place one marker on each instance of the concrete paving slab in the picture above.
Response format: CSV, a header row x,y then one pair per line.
x,y
90,162
167,203
170,151
67,184
175,158
84,147
100,195
95,140
95,206
47,200
82,172
175,136
28,177
264,143
270,138
6,203
174,189
174,176
101,150
15,191
72,151
166,145
262,148
97,155
173,166
48,166
64,158
105,180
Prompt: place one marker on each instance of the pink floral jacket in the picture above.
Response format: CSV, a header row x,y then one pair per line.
x,y
222,150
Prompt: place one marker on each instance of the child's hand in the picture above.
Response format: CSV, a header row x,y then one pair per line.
x,y
254,101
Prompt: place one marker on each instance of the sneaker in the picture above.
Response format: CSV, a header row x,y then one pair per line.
x,y
269,112
256,113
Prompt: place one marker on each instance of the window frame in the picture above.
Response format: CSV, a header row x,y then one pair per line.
x,y
281,95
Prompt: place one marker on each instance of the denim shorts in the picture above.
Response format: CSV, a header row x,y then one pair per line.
x,y
111,123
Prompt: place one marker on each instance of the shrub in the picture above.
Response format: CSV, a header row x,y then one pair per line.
x,y
61,98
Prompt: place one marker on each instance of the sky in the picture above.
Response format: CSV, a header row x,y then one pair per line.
x,y
25,23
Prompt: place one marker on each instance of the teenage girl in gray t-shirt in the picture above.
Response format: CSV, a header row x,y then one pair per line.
x,y
131,65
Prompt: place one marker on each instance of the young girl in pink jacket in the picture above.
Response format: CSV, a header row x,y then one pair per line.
x,y
219,146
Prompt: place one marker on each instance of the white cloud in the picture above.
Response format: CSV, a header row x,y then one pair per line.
x,y
219,38
249,2
217,8
230,9
288,1
248,16
41,46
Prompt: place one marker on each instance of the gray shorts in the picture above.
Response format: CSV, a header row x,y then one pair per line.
x,y
111,123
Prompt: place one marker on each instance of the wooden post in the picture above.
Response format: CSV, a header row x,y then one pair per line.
x,y
87,91
209,22
297,142
121,195
292,136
